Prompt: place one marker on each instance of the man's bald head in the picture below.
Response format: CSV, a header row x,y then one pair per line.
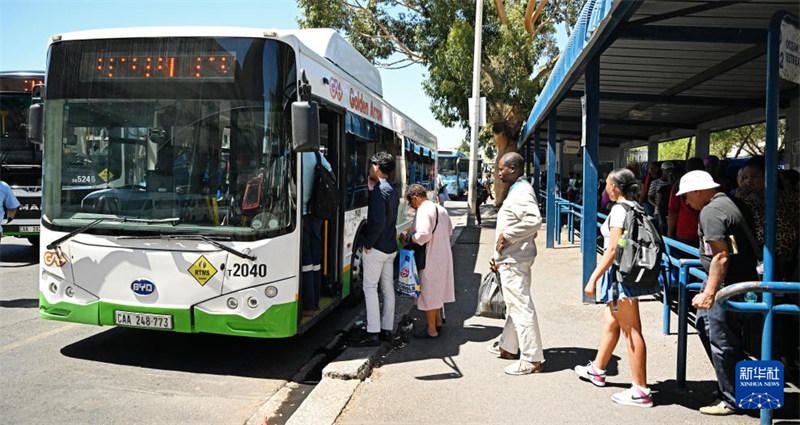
x,y
512,166
514,160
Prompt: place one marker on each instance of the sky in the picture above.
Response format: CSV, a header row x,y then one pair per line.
x,y
26,26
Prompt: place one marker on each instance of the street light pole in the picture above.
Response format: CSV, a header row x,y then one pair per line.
x,y
472,198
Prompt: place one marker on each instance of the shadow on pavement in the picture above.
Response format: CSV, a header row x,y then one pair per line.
x,y
20,254
566,358
20,303
209,353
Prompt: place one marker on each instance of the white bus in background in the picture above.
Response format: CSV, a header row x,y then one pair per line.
x,y
172,188
20,161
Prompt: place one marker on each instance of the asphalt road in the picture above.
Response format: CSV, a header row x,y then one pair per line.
x,y
55,372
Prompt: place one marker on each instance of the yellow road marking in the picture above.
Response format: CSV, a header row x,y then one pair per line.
x,y
38,337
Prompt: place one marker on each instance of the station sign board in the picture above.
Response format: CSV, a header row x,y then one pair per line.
x,y
789,53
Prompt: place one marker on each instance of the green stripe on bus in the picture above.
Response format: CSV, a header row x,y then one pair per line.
x,y
279,321
346,282
67,312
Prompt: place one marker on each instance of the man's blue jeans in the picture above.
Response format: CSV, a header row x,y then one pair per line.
x,y
721,334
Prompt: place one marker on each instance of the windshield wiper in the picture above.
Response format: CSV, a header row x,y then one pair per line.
x,y
243,254
57,242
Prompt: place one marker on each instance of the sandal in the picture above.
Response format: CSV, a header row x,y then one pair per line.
x,y
423,334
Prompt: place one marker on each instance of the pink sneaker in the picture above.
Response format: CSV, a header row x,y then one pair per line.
x,y
591,374
634,396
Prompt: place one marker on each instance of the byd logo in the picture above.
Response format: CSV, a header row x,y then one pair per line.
x,y
336,89
143,287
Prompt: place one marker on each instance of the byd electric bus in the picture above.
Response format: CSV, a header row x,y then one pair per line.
x,y
173,183
20,161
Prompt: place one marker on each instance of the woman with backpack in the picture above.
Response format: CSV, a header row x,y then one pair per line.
x,y
622,304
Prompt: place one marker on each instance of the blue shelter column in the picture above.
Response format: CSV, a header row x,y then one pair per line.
x,y
551,179
536,165
590,154
526,148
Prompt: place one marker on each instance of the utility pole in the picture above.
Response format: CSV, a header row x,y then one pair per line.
x,y
472,198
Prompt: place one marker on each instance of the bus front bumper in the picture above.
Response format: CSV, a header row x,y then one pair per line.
x,y
278,319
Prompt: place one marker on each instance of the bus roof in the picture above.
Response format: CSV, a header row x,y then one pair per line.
x,y
21,74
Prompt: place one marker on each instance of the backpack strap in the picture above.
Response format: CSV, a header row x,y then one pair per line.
x,y
437,220
319,160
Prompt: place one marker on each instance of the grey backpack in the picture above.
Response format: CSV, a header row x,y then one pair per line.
x,y
639,250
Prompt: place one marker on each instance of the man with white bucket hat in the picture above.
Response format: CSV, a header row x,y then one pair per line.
x,y
728,254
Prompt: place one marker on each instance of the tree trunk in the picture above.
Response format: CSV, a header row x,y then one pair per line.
x,y
688,148
505,144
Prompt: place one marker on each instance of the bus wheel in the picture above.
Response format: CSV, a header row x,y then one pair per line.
x,y
34,240
356,278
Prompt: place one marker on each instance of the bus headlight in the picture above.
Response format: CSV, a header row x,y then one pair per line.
x,y
271,291
53,287
252,302
69,291
233,304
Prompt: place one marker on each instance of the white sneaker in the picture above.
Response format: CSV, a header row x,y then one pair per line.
x,y
522,367
591,374
633,396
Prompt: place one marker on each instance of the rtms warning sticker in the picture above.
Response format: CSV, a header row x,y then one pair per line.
x,y
202,270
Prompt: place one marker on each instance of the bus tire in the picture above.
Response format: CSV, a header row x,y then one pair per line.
x,y
34,240
356,277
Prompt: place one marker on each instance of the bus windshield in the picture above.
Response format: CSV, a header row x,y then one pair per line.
x,y
447,166
209,147
16,154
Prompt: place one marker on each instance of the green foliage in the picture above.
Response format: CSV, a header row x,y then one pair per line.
x,y
676,149
439,34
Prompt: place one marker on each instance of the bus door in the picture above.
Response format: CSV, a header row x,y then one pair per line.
x,y
331,145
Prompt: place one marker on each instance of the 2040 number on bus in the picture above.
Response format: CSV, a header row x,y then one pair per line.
x,y
247,270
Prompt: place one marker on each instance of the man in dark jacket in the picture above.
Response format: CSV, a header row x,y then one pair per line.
x,y
380,248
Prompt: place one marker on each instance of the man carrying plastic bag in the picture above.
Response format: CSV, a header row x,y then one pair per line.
x,y
517,223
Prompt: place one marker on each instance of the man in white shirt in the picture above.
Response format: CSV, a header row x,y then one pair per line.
x,y
518,221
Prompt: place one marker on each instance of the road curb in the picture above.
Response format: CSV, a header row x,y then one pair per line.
x,y
341,377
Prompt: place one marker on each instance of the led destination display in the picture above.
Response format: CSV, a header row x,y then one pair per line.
x,y
101,66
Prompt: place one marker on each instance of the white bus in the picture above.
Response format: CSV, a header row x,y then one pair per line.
x,y
172,180
20,161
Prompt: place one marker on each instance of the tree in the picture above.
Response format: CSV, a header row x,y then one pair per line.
x,y
439,35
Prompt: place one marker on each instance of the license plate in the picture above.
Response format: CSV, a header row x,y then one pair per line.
x,y
141,320
29,229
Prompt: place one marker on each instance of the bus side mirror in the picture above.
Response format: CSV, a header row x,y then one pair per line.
x,y
305,126
35,123
35,115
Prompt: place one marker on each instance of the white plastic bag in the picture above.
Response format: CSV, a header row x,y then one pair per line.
x,y
409,283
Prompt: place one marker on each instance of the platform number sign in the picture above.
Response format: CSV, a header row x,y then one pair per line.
x,y
202,270
759,384
789,53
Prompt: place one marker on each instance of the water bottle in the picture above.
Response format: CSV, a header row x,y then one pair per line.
x,y
750,297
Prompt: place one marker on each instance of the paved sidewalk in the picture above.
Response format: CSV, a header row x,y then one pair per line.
x,y
455,380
